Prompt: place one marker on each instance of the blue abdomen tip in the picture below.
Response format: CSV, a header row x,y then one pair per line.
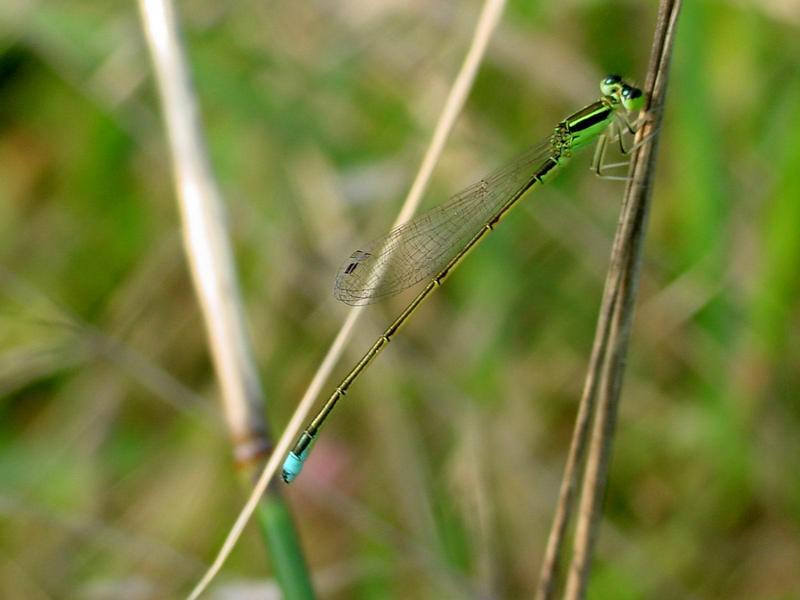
x,y
291,467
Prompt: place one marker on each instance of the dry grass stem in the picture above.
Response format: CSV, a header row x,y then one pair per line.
x,y
205,236
603,382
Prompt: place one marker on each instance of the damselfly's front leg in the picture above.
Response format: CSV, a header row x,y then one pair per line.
x,y
615,134
633,129
599,165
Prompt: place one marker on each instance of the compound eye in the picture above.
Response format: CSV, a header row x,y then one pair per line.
x,y
632,98
610,85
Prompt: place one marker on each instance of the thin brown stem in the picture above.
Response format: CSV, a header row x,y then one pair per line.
x,y
603,382
577,452
624,272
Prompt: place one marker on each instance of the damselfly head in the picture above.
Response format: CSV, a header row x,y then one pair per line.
x,y
629,96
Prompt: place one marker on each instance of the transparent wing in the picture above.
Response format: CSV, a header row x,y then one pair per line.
x,y
421,248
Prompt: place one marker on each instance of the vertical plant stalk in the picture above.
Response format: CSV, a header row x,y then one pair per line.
x,y
577,451
487,22
603,384
213,272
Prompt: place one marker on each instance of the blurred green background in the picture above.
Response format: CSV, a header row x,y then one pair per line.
x,y
438,477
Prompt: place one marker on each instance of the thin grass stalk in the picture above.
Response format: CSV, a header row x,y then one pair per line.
x,y
486,24
624,271
210,257
577,452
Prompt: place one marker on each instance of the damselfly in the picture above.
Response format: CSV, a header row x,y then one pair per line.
x,y
432,245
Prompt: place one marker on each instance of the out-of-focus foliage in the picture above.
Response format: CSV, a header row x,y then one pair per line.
x,y
437,478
